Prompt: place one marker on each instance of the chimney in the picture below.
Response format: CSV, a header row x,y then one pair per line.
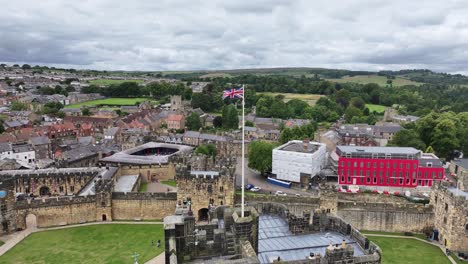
x,y
305,143
343,244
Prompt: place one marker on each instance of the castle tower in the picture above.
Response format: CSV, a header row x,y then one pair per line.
x,y
206,184
103,189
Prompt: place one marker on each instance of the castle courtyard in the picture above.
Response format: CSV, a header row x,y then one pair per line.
x,y
102,243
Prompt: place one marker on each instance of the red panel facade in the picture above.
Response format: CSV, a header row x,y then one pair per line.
x,y
386,172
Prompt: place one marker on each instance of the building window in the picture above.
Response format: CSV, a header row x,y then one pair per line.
x,y
221,189
368,164
368,180
408,165
375,164
60,188
446,207
429,164
342,178
381,164
72,188
445,220
401,181
349,179
362,164
375,180
355,164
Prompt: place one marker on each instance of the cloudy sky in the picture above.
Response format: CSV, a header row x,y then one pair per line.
x,y
194,35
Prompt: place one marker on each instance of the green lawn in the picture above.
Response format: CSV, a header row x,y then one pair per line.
x,y
408,251
1,243
109,102
377,108
422,236
109,82
373,78
143,187
114,243
311,99
172,183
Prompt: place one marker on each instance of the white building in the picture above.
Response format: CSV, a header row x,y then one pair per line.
x,y
22,153
298,161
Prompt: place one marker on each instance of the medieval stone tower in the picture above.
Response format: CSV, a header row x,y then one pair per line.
x,y
103,189
205,183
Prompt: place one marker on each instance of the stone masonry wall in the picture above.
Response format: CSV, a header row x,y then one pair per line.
x,y
387,217
144,206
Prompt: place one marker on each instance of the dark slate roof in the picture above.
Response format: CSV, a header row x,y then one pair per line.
x,y
40,140
462,163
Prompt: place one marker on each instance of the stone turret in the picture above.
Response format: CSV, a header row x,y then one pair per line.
x,y
103,190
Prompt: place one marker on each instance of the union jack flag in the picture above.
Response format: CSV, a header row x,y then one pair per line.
x,y
234,93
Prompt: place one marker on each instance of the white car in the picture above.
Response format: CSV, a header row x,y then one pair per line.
x,y
255,189
280,193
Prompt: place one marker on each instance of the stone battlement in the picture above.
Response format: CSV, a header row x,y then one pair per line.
x,y
54,201
144,196
385,206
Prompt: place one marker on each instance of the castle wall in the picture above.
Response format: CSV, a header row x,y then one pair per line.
x,y
451,218
55,212
150,173
144,206
387,217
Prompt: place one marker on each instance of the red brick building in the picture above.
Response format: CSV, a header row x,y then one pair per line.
x,y
387,166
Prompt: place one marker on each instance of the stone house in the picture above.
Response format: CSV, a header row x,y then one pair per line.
x,y
175,121
41,146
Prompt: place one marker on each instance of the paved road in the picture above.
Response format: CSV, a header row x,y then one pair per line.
x,y
256,179
417,238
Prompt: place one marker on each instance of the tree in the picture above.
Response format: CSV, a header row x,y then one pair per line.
x,y
358,102
297,107
351,112
230,117
2,128
194,122
86,112
407,138
260,156
209,150
18,106
217,121
444,140
249,123
26,67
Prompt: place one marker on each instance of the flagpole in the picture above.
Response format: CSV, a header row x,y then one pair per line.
x,y
243,150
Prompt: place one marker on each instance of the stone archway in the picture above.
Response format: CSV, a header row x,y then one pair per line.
x,y
203,214
31,221
44,190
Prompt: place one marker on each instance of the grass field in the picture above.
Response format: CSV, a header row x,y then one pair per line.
x,y
172,183
408,251
311,99
108,102
377,108
109,82
380,80
114,243
143,187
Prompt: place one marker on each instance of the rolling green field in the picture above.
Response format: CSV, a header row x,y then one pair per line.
x,y
380,80
408,251
109,81
114,243
377,108
311,99
109,102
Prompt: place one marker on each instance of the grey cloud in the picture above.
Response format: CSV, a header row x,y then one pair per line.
x,y
186,35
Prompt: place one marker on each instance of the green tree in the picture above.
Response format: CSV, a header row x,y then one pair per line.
x,y
18,106
358,102
444,139
86,112
230,117
2,128
297,107
209,150
249,123
217,121
407,138
351,112
260,156
26,67
193,122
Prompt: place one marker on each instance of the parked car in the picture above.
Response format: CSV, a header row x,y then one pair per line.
x,y
255,189
249,186
280,193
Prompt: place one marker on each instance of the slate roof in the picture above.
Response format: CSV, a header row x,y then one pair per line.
x,y
43,140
